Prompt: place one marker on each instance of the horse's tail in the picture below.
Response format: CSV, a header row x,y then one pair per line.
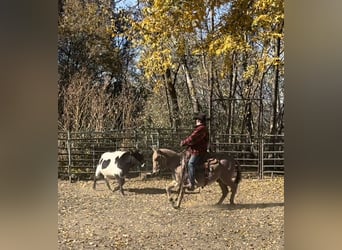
x,y
238,172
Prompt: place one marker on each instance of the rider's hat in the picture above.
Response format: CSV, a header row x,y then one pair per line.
x,y
200,116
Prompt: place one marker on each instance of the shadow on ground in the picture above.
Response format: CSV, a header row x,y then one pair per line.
x,y
147,190
250,205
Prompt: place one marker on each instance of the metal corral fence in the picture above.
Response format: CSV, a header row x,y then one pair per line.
x,y
79,152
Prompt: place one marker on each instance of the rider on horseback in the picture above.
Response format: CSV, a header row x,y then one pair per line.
x,y
197,143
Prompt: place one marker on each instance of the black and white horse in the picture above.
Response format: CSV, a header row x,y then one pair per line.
x,y
115,165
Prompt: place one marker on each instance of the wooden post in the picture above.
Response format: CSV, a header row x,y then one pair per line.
x,y
93,147
261,158
69,156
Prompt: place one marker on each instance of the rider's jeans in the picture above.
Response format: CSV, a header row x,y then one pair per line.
x,y
193,162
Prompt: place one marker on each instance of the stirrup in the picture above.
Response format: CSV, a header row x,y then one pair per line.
x,y
190,187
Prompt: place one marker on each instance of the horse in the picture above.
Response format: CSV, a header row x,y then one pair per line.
x,y
115,165
224,169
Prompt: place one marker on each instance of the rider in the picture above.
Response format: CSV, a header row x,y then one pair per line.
x,y
197,143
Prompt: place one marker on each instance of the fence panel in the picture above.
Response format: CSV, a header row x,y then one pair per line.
x,y
273,155
78,152
243,148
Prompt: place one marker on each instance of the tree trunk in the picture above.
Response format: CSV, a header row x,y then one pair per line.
x,y
276,93
191,87
211,79
173,98
232,91
276,100
210,101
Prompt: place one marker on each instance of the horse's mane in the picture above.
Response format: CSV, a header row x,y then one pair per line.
x,y
169,151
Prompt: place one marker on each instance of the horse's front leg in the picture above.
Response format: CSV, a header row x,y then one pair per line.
x,y
181,177
169,188
107,183
179,196
121,183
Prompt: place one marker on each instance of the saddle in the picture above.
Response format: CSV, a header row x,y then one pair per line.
x,y
210,164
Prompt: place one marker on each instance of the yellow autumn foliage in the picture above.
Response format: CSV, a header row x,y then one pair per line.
x,y
171,29
250,71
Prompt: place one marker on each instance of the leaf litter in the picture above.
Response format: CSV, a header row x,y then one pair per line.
x,y
144,219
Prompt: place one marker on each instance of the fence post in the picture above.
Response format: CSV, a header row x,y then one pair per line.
x,y
69,155
93,147
261,158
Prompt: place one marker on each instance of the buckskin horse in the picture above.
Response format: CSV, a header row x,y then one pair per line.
x,y
168,159
218,167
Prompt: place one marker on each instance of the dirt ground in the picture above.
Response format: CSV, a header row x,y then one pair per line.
x,y
144,219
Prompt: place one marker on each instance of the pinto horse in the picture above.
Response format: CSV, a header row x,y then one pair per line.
x,y
224,169
116,165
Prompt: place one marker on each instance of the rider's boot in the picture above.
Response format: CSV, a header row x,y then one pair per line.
x,y
189,186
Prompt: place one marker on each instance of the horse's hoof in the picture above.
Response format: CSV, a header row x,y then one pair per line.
x,y
174,205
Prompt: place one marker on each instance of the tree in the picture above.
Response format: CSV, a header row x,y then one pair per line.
x,y
225,50
223,57
91,41
163,39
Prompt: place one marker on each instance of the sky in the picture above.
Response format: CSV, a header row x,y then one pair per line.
x,y
125,3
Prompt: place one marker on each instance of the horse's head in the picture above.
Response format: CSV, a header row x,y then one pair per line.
x,y
139,157
158,161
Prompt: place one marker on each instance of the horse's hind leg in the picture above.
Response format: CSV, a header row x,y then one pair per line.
x,y
233,187
224,190
95,179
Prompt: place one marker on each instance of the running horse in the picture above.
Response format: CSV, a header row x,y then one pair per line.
x,y
116,165
218,167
